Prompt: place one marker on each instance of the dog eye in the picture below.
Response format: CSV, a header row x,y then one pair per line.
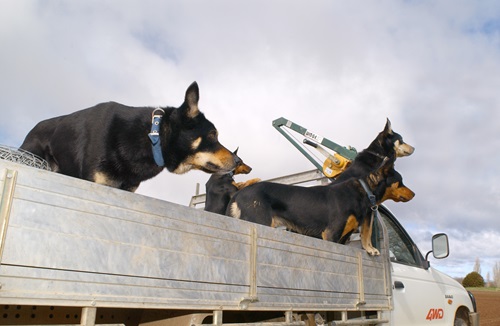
x,y
212,135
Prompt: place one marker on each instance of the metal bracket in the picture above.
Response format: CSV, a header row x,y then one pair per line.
x,y
88,316
361,281
246,301
6,197
252,295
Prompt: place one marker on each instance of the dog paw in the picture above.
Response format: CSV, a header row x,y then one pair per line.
x,y
241,185
373,252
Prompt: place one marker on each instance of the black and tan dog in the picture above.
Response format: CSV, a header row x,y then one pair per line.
x,y
121,146
386,147
330,212
221,187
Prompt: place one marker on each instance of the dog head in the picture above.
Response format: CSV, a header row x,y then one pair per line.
x,y
241,167
387,183
395,189
192,140
392,142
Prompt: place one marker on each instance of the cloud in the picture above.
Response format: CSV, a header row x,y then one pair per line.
x,y
337,68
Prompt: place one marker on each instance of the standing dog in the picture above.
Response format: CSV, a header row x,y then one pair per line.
x,y
221,187
120,146
330,212
386,147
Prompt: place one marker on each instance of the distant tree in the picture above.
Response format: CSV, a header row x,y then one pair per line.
x,y
496,274
473,279
477,266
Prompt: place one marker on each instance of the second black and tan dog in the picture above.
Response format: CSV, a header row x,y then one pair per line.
x,y
385,148
329,212
120,146
221,187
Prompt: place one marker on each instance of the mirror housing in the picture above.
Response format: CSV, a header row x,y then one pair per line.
x,y
440,246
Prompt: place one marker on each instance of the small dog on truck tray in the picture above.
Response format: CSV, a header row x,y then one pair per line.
x,y
221,187
120,146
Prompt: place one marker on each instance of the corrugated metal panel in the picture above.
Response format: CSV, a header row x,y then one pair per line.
x,y
75,243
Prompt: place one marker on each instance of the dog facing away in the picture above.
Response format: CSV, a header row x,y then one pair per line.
x,y
330,212
386,147
109,143
221,187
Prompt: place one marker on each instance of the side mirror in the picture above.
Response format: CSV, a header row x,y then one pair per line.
x,y
440,246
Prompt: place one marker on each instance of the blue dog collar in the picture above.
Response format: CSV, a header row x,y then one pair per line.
x,y
154,136
370,194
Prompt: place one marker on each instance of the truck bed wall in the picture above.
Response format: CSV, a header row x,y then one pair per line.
x,y
69,242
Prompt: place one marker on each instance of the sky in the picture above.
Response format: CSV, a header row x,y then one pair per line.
x,y
338,68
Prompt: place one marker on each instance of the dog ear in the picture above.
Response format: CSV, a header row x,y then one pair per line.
x,y
236,151
191,100
388,128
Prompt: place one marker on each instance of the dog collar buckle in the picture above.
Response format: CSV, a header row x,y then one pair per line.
x,y
154,136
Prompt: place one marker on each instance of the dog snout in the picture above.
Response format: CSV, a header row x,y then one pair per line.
x,y
228,160
407,194
409,149
224,161
242,168
403,149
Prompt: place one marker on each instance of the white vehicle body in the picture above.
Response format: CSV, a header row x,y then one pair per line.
x,y
421,294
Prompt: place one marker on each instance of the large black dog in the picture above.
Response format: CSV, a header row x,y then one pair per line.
x,y
121,146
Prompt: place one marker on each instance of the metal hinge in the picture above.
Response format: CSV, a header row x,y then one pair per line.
x,y
6,198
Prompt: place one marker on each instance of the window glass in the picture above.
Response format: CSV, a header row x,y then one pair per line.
x,y
400,247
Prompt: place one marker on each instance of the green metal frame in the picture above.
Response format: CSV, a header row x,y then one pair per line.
x,y
278,124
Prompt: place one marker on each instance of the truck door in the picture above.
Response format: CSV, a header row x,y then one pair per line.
x,y
419,296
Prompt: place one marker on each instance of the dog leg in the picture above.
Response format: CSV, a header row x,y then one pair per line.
x,y
241,185
351,225
366,237
102,178
327,235
234,211
130,188
276,222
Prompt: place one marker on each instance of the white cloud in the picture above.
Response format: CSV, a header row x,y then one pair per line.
x,y
337,68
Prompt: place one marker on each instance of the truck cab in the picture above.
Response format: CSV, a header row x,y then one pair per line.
x,y
422,294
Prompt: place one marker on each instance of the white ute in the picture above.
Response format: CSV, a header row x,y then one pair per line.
x,y
75,252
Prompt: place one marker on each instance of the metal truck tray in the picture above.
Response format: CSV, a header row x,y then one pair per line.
x,y
69,242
